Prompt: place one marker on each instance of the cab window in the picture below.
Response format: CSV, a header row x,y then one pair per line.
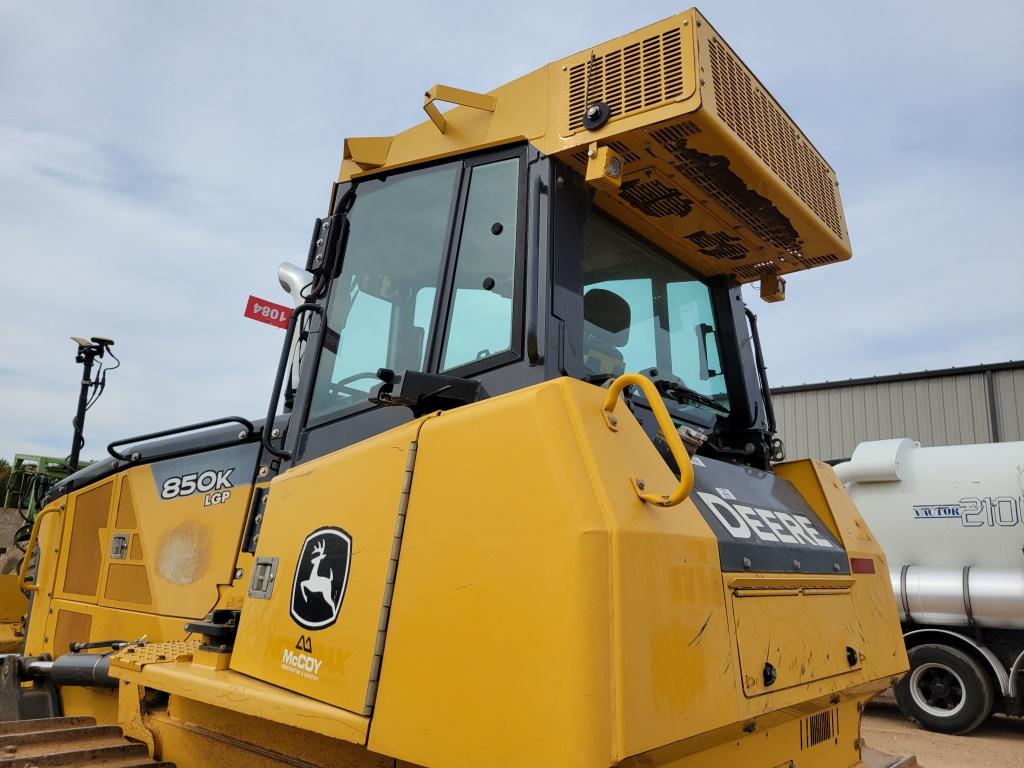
x,y
484,288
644,310
381,304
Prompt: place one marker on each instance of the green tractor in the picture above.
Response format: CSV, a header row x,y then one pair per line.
x,y
28,479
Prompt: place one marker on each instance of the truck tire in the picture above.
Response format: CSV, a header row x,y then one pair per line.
x,y
945,691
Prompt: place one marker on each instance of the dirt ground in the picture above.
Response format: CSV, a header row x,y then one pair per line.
x,y
999,743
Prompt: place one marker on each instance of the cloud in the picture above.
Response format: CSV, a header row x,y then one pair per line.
x,y
158,162
934,281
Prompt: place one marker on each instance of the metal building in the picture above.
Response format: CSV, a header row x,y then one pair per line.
x,y
976,404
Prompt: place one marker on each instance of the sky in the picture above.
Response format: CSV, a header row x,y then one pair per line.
x,y
158,161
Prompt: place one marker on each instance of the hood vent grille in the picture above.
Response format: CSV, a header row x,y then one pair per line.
x,y
654,198
762,125
712,173
756,271
819,728
641,75
818,261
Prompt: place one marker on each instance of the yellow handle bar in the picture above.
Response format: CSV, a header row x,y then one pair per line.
x,y
668,429
23,582
454,96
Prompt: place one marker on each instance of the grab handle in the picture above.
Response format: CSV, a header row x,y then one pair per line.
x,y
23,583
282,369
451,95
247,432
675,444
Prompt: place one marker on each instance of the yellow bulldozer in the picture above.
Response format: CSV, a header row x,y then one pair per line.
x,y
523,505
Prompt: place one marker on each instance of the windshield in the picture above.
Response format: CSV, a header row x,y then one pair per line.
x,y
644,311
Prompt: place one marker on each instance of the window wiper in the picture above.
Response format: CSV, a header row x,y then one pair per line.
x,y
683,394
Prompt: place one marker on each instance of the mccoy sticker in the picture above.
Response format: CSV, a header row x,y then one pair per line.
x,y
321,576
304,664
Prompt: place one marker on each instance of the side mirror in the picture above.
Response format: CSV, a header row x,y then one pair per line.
x,y
293,279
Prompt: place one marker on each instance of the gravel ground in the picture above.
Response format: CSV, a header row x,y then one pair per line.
x,y
998,743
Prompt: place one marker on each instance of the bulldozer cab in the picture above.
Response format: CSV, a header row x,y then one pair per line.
x,y
501,268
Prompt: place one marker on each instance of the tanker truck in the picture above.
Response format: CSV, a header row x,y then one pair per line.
x,y
950,522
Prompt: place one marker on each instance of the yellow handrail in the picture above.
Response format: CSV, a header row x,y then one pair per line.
x,y
451,95
668,429
25,585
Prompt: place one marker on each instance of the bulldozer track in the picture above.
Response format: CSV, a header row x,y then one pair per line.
x,y
69,742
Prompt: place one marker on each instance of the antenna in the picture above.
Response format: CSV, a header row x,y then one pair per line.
x,y
89,350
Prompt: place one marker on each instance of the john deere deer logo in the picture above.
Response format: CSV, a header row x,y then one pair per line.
x,y
321,576
316,583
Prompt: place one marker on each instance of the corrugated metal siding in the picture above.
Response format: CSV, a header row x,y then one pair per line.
x,y
827,421
1009,387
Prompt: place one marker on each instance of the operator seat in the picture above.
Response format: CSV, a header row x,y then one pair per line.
x,y
606,320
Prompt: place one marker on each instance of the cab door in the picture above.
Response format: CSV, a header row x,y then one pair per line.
x,y
431,280
315,610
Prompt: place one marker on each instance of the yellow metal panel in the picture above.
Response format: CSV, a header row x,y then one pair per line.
x,y
367,152
13,602
518,115
596,624
192,733
84,536
71,627
184,549
358,489
100,703
243,695
773,740
135,553
51,528
85,621
503,582
13,607
130,698
577,603
127,584
109,624
876,607
818,484
125,508
809,649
